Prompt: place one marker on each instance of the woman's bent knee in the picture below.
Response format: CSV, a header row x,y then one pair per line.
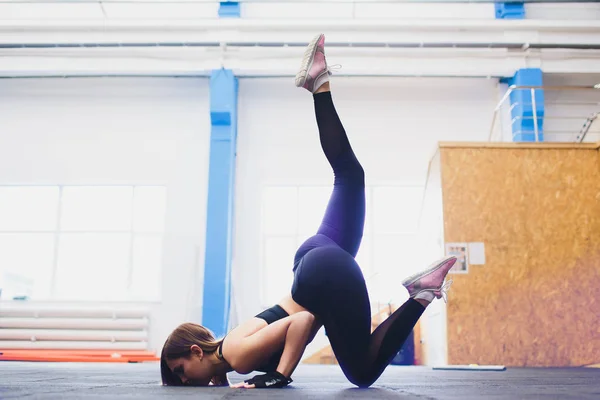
x,y
362,381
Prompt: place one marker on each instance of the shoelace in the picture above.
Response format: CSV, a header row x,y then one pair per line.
x,y
334,67
442,292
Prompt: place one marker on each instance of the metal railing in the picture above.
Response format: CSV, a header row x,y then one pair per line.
x,y
586,127
570,114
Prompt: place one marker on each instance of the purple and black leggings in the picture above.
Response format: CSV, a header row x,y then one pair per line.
x,y
328,281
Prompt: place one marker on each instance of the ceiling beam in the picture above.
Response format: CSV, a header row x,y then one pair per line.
x,y
271,62
268,32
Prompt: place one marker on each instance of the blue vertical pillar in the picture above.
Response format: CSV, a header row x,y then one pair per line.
x,y
510,10
219,213
527,106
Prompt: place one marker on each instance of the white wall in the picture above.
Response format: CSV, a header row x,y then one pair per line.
x,y
120,131
407,10
365,10
394,126
293,9
431,234
563,11
568,109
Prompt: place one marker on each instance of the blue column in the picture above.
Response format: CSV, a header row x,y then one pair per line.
x,y
510,10
229,9
219,212
527,106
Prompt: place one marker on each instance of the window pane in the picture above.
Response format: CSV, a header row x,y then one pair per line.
x,y
368,210
280,210
149,206
28,208
395,258
396,209
92,266
363,258
396,255
312,204
102,208
26,264
278,265
147,261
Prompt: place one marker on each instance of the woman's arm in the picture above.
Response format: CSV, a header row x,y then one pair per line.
x,y
296,340
245,354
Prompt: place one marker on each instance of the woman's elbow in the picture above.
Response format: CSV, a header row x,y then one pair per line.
x,y
241,366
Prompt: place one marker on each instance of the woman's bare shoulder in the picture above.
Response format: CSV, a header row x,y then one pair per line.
x,y
237,334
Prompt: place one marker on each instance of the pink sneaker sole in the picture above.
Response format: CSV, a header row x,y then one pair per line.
x,y
307,61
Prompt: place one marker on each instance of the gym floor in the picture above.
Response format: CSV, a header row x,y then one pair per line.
x,y
114,381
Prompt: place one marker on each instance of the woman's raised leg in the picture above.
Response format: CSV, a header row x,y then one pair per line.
x,y
345,215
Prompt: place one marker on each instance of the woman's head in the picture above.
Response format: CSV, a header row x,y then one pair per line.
x,y
184,359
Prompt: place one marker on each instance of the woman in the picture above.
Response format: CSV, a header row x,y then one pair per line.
x,y
328,289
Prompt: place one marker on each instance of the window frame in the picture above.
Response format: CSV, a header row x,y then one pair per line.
x,y
57,232
371,271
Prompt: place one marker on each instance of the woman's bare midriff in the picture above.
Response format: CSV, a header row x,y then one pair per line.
x,y
290,306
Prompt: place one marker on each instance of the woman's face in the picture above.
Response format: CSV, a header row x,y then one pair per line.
x,y
194,370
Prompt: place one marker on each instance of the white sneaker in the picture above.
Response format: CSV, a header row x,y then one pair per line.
x,y
430,284
313,71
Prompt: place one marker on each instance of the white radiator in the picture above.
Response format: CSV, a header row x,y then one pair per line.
x,y
27,325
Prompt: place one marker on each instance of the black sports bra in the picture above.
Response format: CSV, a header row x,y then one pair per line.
x,y
273,314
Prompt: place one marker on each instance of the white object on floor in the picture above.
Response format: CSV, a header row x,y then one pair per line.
x,y
470,367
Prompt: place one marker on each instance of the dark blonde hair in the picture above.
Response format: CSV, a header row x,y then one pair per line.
x,y
178,345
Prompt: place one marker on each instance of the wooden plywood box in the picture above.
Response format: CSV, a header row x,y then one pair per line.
x,y
536,301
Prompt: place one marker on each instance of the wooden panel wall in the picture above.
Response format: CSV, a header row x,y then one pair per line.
x,y
536,301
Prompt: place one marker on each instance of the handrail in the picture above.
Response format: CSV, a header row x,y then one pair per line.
x,y
532,89
586,127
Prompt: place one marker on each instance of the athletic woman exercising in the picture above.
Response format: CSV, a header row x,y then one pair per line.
x,y
328,289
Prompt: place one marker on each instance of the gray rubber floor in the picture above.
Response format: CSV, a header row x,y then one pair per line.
x,y
116,381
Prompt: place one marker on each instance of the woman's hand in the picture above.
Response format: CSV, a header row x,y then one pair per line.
x,y
269,380
242,385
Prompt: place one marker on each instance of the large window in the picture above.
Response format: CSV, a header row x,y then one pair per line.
x,y
81,242
290,214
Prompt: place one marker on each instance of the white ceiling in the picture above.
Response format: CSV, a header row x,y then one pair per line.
x,y
366,37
